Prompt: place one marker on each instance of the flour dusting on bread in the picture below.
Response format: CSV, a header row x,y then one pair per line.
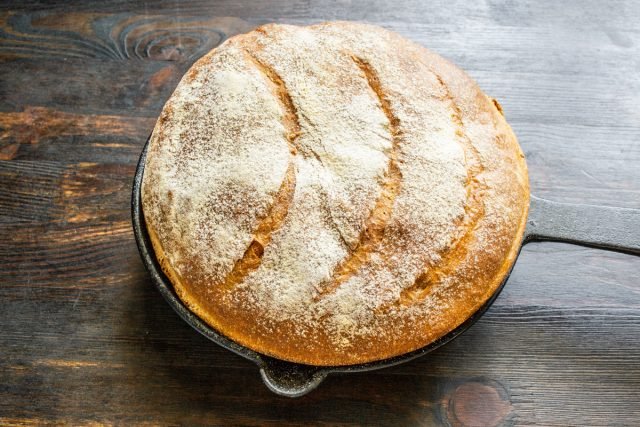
x,y
333,194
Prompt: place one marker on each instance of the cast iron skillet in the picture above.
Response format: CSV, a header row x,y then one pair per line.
x,y
610,228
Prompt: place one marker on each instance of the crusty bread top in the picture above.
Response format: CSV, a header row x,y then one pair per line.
x,y
333,194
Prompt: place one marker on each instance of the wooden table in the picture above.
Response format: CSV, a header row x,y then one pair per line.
x,y
84,336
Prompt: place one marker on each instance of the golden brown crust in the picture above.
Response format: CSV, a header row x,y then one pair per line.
x,y
333,194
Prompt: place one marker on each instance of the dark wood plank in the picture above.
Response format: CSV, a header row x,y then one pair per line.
x,y
90,85
39,134
616,14
120,36
85,337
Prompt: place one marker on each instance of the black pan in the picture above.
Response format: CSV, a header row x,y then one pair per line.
x,y
610,228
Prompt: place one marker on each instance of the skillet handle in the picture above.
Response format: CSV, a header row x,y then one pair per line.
x,y
290,379
616,229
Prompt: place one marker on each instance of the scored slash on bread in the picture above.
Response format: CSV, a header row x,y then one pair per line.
x,y
374,226
333,194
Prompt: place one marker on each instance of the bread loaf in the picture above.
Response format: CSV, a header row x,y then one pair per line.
x,y
333,194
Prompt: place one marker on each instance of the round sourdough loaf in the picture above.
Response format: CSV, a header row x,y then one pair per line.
x,y
333,194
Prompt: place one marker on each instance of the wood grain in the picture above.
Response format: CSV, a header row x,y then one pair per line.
x,y
119,36
86,339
